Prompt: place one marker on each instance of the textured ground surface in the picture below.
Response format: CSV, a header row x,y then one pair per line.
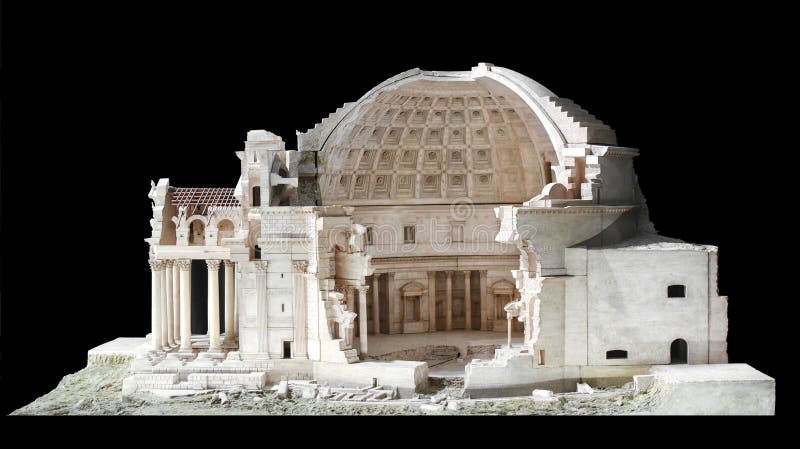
x,y
96,390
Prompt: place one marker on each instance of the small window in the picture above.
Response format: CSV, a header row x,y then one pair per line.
x,y
409,234
457,232
287,349
257,252
369,237
676,291
256,196
616,354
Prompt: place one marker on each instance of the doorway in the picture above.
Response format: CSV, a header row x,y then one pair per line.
x,y
287,349
678,352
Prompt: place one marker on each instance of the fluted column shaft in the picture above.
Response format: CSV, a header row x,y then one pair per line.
x,y
300,350
213,305
184,266
156,269
391,295
484,302
448,313
176,302
376,304
170,325
362,317
467,301
230,304
431,301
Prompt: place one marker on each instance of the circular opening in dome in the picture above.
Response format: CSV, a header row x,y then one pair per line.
x,y
455,155
500,132
432,155
438,114
429,180
392,132
479,132
484,179
475,113
379,181
375,131
456,114
456,132
419,113
385,154
482,153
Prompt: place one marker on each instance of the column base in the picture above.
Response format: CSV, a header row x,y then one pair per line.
x,y
211,354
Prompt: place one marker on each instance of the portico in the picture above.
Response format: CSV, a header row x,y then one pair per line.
x,y
171,308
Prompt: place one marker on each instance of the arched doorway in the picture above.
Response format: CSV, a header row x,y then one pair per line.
x,y
678,352
197,233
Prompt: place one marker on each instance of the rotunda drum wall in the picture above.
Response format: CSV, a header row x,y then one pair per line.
x,y
433,142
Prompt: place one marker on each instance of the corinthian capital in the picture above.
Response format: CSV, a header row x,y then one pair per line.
x,y
262,265
184,264
213,264
156,265
300,266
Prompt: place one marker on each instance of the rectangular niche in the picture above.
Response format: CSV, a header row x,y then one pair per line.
x,y
408,159
456,185
457,102
457,136
386,159
431,159
418,117
412,137
405,186
360,189
380,189
456,158
481,158
431,186
375,137
367,160
480,136
393,136
476,117
457,117
387,116
436,117
434,137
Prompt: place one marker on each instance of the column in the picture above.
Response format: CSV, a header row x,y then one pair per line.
x,y
156,267
168,265
185,267
448,305
300,349
431,301
349,292
376,301
213,305
390,295
467,302
176,302
235,305
484,303
164,307
230,290
362,317
262,307
508,320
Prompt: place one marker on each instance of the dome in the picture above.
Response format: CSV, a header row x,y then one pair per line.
x,y
436,137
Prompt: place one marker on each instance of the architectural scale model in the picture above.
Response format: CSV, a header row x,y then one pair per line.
x,y
446,225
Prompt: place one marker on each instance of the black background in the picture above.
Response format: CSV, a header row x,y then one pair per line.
x,y
98,102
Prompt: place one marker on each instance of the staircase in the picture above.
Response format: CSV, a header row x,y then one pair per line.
x,y
577,124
